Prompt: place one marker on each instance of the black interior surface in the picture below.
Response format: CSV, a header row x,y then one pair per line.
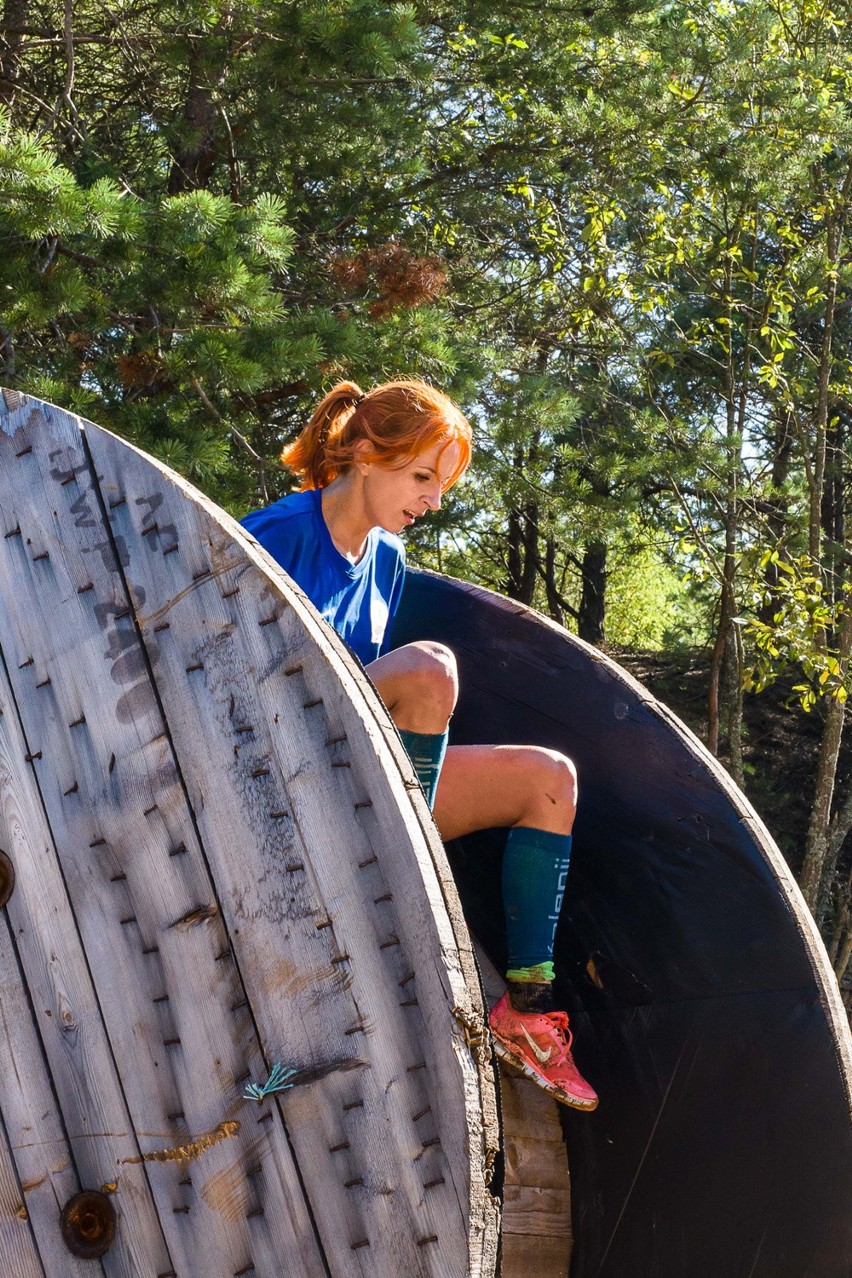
x,y
722,1146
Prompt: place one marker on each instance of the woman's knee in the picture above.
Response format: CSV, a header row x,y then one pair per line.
x,y
553,783
565,777
431,674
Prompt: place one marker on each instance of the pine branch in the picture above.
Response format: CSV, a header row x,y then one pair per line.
x,y
83,258
237,435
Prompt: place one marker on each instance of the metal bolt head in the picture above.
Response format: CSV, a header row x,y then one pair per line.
x,y
88,1224
7,879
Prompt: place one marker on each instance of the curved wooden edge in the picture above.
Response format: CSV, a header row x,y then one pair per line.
x,y
826,981
461,1041
96,988
467,1006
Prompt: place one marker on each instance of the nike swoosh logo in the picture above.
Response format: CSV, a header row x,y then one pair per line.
x,y
540,1054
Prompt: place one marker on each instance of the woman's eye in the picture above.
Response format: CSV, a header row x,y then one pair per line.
x,y
421,479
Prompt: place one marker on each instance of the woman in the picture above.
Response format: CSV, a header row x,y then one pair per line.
x,y
370,465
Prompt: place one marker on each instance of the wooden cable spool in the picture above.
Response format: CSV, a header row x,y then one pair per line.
x,y
215,857
222,861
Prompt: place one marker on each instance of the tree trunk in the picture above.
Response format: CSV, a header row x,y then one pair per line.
x,y
816,847
834,241
834,499
196,156
514,553
522,553
724,663
591,619
734,703
817,494
553,594
723,701
715,692
522,542
15,19
777,520
820,856
820,851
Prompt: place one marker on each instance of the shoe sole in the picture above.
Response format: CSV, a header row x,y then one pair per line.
x,y
520,1066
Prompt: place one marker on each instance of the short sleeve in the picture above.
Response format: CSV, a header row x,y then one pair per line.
x,y
394,600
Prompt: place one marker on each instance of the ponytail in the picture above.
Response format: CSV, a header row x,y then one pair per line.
x,y
398,419
308,455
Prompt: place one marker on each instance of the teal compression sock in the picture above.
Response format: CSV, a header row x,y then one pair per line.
x,y
535,870
426,751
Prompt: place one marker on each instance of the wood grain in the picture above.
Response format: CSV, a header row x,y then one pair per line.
x,y
138,885
65,1004
42,1157
335,912
250,876
17,1245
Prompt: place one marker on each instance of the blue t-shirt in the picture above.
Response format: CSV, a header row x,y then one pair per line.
x,y
359,600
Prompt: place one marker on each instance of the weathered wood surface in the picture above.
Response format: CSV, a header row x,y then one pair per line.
x,y
117,814
536,1195
17,1245
249,879
33,1125
331,985
536,1223
72,1035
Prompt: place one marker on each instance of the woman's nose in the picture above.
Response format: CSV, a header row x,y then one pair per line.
x,y
434,498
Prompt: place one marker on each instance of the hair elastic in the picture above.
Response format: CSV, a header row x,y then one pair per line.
x,y
358,398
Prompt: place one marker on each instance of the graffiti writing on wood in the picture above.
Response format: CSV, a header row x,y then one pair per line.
x,y
124,652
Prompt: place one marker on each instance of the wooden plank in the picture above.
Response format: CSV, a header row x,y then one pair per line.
x,y
536,1227
536,1196
463,976
338,922
141,892
66,1007
42,1157
534,1143
17,1245
533,1255
340,1119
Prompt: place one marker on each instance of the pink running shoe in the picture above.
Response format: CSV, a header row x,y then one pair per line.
x,y
538,1044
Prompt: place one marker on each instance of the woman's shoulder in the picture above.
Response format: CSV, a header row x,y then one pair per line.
x,y
292,507
389,546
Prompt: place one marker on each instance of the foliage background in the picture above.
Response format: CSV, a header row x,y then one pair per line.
x,y
618,234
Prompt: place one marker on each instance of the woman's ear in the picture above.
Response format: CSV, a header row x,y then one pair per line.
x,y
364,454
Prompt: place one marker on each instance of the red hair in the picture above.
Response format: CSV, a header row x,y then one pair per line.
x,y
400,420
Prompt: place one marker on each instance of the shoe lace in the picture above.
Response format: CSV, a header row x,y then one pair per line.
x,y
559,1021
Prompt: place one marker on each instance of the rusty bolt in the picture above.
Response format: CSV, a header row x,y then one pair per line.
x,y
7,879
88,1224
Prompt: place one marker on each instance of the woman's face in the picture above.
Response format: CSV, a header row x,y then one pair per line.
x,y
395,498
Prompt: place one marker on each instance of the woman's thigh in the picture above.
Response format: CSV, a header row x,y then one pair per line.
x,y
483,786
391,674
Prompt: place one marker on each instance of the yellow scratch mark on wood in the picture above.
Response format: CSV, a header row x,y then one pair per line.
x,y
152,617
185,1153
228,1193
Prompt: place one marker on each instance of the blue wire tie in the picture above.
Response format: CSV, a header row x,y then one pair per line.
x,y
277,1082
